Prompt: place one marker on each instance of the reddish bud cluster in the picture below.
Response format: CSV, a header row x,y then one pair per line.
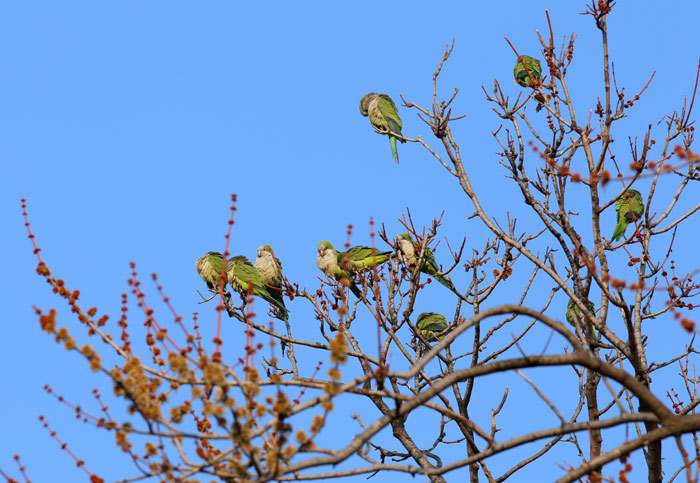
x,y
688,325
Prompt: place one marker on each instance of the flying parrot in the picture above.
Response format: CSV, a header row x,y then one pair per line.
x,y
270,270
343,265
527,69
629,207
407,254
384,116
430,324
573,313
242,276
209,268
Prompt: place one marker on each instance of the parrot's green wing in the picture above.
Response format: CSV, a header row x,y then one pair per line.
x,y
361,258
527,65
573,313
388,110
246,279
245,273
430,324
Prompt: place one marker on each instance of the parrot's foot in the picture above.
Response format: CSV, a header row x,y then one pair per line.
x,y
278,314
227,295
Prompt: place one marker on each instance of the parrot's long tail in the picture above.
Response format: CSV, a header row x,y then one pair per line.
x,y
394,151
275,292
619,230
284,313
355,290
442,281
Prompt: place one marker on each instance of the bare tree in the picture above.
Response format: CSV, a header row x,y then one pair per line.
x,y
259,418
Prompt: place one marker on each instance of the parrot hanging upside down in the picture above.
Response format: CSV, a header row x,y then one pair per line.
x,y
430,324
526,70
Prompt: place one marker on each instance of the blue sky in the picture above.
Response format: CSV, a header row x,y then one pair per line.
x,y
127,126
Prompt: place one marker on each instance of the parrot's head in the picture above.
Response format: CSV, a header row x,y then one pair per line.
x,y
364,103
323,246
405,243
262,249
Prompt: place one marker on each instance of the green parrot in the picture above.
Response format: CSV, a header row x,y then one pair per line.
x,y
527,65
360,258
384,116
270,269
209,269
573,313
629,207
407,254
242,275
343,265
327,262
430,324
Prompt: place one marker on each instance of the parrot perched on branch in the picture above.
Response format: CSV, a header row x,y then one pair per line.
x,y
384,116
343,265
270,269
527,69
573,313
409,257
209,269
244,277
629,207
